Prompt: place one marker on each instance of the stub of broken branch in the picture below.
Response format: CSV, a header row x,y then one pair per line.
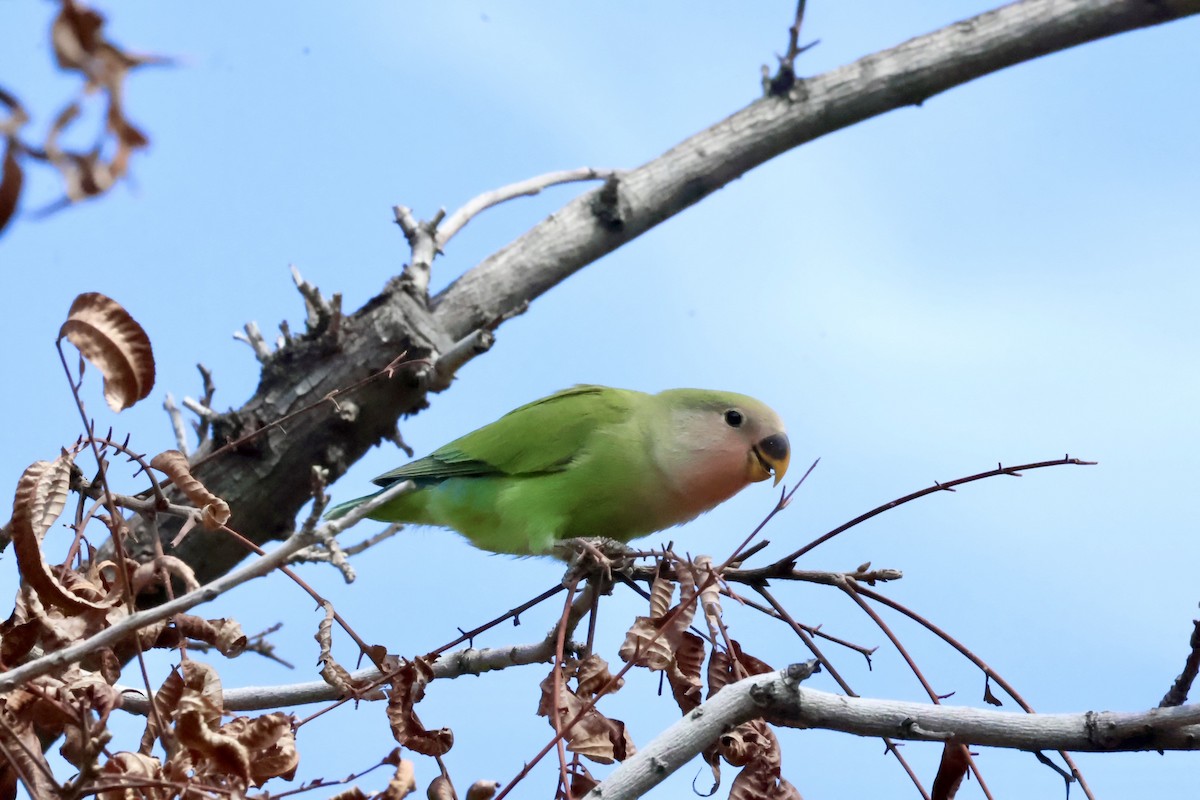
x,y
441,374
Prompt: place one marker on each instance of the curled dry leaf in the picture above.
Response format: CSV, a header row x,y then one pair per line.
x,y
75,34
353,793
166,701
159,570
757,782
747,742
224,635
201,681
594,678
18,639
753,746
112,340
750,664
483,790
21,744
174,464
582,782
12,178
645,646
709,586
41,494
956,759
338,676
440,788
684,674
213,751
407,689
403,782
726,667
661,592
132,768
593,735
271,743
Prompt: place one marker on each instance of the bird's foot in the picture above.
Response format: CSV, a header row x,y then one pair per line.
x,y
588,557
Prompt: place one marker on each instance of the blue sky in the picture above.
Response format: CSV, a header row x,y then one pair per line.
x,y
1007,273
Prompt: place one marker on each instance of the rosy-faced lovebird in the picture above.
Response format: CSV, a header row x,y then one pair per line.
x,y
590,461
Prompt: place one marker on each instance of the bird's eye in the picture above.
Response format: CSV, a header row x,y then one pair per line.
x,y
734,418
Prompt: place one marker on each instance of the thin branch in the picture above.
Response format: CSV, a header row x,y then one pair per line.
x,y
130,625
177,425
446,367
785,564
253,337
526,188
1178,693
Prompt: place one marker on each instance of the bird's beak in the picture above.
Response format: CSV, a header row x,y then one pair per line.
x,y
772,455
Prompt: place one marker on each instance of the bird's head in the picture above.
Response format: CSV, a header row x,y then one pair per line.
x,y
727,438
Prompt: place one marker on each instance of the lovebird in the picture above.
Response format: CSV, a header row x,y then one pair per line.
x,y
590,461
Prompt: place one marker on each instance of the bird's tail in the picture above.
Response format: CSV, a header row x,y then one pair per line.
x,y
342,509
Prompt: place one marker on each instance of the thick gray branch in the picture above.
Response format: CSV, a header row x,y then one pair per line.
x,y
908,74
779,699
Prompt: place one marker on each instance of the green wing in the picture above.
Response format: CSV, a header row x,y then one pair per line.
x,y
543,436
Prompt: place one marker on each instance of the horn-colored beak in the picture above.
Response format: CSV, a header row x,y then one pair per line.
x,y
773,455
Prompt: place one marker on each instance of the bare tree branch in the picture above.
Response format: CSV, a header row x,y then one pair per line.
x,y
127,627
908,74
779,699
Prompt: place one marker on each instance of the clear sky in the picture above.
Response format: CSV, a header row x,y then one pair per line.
x,y
1006,274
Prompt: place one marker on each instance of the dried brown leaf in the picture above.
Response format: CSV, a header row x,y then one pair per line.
x,y
17,115
12,178
750,664
403,782
709,587
645,646
69,114
353,793
485,790
174,464
759,782
158,571
41,494
165,703
440,788
214,752
18,639
594,678
20,742
720,671
111,339
661,592
332,672
594,735
134,768
406,690
684,674
224,635
85,175
956,759
581,783
75,34
202,682
270,742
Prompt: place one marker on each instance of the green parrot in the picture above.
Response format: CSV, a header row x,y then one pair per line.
x,y
590,461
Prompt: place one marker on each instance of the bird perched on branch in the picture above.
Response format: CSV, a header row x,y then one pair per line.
x,y
590,461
